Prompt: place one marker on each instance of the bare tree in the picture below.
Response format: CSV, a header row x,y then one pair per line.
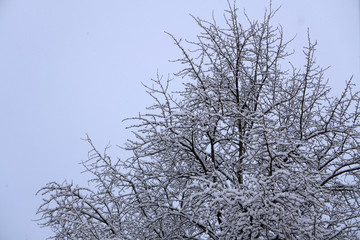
x,y
247,150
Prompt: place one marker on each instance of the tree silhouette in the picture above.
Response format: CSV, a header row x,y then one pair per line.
x,y
246,150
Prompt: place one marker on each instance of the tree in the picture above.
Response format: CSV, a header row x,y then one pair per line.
x,y
246,150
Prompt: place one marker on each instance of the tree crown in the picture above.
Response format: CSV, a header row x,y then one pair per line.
x,y
246,150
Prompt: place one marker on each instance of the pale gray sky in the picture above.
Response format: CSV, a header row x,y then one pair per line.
x,y
71,67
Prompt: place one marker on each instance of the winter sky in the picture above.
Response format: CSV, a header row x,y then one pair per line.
x,y
71,67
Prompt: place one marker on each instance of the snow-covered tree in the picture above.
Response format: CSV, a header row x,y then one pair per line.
x,y
246,150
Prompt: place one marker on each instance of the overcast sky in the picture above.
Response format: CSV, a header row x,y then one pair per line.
x,y
71,67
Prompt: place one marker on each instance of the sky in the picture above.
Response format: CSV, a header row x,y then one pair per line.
x,y
74,67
